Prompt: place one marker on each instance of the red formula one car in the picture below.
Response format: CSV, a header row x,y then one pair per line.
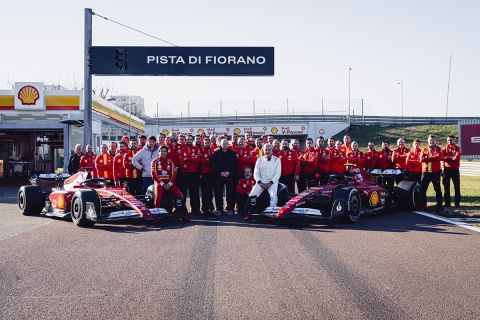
x,y
343,197
86,200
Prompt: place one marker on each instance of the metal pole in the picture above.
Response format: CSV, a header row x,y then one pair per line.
x,y
349,71
87,78
221,111
188,111
323,114
254,120
448,86
288,115
363,116
158,120
401,87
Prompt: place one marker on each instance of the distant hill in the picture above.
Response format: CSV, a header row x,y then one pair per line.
x,y
364,134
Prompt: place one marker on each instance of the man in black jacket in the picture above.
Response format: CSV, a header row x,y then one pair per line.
x,y
224,165
74,160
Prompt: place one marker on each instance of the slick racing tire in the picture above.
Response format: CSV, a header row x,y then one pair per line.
x,y
354,206
31,200
79,207
408,195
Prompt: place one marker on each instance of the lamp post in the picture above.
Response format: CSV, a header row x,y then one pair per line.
x,y
401,87
448,85
349,71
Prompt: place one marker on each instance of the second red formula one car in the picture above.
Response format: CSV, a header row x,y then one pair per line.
x,y
344,197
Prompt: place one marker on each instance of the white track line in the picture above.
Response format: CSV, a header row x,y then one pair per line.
x,y
457,223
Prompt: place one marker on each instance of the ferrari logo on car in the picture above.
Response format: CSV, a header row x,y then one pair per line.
x,y
374,199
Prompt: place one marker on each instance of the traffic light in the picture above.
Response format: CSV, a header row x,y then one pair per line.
x,y
121,59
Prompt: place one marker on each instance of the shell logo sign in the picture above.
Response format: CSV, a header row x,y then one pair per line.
x,y
29,96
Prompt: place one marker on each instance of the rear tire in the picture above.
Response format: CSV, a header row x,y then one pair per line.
x,y
79,207
408,195
31,200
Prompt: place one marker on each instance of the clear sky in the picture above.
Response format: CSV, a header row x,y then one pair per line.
x,y
315,41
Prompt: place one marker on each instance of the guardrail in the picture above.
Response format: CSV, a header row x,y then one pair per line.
x,y
284,118
468,168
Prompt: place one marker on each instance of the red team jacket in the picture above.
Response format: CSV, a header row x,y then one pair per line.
x,y
413,162
399,157
370,160
337,161
189,159
384,159
256,153
452,156
205,160
118,167
309,161
431,159
290,163
357,158
245,186
244,159
323,160
130,170
88,161
104,165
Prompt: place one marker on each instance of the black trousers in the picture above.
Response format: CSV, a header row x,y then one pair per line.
x,y
190,182
241,200
220,184
414,176
289,181
134,185
434,178
305,181
207,184
454,175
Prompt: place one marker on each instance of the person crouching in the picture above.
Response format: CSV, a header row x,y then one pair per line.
x,y
243,189
164,173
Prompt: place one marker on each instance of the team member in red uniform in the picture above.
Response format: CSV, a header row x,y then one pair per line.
x,y
87,161
399,155
172,148
276,148
371,157
197,141
126,141
451,170
119,172
234,143
384,157
347,144
134,176
142,141
207,181
323,160
331,144
113,149
258,151
213,142
270,139
244,157
296,147
104,164
189,173
161,140
338,159
431,169
413,162
290,166
356,157
308,166
164,173
243,189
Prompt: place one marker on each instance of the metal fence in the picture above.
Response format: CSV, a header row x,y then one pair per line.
x,y
468,168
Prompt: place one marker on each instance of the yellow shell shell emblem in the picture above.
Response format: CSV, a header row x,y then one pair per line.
x,y
236,130
374,199
274,130
28,95
165,132
60,203
200,131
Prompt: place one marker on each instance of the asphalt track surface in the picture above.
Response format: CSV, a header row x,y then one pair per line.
x,y
395,266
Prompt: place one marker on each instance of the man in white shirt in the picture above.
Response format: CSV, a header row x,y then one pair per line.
x,y
267,173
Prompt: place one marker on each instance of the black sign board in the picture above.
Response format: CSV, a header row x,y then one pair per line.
x,y
183,61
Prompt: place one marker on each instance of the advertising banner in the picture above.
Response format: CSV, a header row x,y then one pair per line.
x,y
183,61
470,139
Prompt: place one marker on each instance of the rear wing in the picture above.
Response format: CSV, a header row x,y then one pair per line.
x,y
49,180
387,172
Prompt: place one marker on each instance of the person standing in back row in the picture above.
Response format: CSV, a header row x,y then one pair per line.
x,y
431,156
142,160
451,171
224,165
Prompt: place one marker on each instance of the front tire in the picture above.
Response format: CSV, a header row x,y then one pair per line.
x,y
354,206
79,208
31,200
408,195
